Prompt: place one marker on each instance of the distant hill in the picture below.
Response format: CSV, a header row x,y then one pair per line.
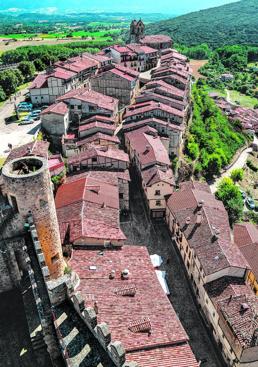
x,y
235,23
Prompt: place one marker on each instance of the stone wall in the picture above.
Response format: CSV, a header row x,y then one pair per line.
x,y
32,192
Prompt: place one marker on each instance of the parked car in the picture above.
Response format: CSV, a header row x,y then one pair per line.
x,y
250,203
25,108
26,104
35,114
27,120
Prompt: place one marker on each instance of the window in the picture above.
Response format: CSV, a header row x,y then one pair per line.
x,y
121,195
54,259
94,159
158,202
157,192
79,107
14,203
72,107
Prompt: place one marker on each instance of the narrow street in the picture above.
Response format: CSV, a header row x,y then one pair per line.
x,y
141,231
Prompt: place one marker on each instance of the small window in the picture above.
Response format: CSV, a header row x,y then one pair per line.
x,y
121,195
158,202
72,107
94,159
79,107
14,203
157,192
54,259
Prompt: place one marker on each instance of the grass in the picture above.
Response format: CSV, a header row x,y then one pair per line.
x,y
244,100
220,92
23,86
78,34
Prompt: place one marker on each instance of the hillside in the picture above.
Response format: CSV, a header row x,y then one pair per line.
x,y
235,23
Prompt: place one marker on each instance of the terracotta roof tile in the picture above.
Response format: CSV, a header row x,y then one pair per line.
x,y
148,146
89,207
97,150
211,240
91,97
59,108
238,306
120,312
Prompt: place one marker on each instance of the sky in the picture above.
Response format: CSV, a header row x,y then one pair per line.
x,y
146,6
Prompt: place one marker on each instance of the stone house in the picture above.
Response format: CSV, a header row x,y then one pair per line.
x,y
165,129
55,119
119,82
99,157
85,103
47,87
149,109
88,211
200,228
159,41
246,238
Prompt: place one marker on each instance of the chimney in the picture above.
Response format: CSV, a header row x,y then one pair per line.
x,y
112,274
187,221
200,204
96,309
125,274
199,218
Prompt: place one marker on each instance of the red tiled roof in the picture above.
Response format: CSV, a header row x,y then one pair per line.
x,y
61,73
162,85
148,121
98,125
55,162
59,108
246,238
158,38
98,136
89,207
172,77
149,148
211,240
153,95
245,234
121,74
229,295
127,70
99,118
39,82
149,106
154,175
91,97
174,356
35,148
120,312
95,150
78,64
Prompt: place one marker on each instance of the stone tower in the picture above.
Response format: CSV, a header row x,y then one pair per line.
x,y
27,184
136,31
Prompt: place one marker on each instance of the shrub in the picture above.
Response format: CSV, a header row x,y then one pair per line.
x,y
237,174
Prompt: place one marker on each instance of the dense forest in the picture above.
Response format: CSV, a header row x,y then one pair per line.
x,y
235,23
211,140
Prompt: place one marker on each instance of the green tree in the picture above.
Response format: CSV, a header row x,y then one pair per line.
x,y
19,76
237,174
231,197
8,81
27,69
39,65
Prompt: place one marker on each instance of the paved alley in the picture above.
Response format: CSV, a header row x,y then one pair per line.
x,y
141,231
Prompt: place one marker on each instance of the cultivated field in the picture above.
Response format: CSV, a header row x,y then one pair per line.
x,y
195,65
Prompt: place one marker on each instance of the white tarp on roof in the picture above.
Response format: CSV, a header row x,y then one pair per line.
x,y
156,260
161,275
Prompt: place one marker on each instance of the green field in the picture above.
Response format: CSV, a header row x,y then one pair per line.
x,y
244,100
103,35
